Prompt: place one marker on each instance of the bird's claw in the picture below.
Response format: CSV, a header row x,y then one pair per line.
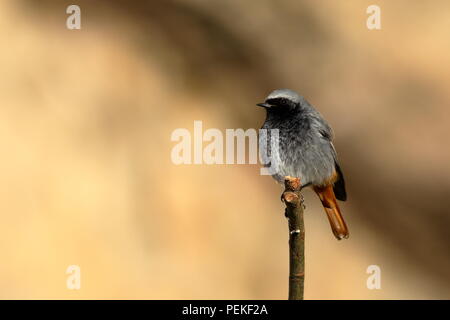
x,y
302,201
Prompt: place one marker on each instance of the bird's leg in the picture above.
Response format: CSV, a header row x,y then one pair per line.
x,y
302,201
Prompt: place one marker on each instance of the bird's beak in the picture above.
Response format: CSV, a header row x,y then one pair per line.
x,y
264,105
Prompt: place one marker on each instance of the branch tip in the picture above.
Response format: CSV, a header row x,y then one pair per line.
x,y
292,184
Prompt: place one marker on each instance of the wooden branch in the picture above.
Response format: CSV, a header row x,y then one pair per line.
x,y
294,212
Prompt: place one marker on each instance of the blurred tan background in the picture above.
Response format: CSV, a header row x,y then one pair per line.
x,y
86,175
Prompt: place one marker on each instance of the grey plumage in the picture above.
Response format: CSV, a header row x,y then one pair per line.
x,y
305,148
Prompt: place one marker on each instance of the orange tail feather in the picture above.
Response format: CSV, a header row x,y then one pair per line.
x,y
338,226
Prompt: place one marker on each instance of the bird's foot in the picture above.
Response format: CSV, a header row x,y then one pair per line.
x,y
302,201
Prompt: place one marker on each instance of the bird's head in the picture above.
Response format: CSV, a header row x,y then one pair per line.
x,y
282,100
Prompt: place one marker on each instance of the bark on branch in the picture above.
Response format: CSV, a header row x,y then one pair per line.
x,y
294,212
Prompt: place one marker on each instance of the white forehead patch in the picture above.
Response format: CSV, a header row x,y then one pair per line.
x,y
284,93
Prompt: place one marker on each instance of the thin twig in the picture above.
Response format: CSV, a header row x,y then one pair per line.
x,y
294,212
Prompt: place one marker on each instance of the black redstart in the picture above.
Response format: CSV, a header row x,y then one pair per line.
x,y
305,151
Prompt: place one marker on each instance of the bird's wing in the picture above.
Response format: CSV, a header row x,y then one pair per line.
x,y
327,134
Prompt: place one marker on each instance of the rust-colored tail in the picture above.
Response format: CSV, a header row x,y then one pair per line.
x,y
326,195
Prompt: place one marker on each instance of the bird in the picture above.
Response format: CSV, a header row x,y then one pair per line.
x,y
304,150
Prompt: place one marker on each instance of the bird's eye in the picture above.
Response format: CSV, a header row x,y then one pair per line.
x,y
283,102
280,102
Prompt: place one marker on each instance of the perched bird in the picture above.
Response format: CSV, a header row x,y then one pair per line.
x,y
305,151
